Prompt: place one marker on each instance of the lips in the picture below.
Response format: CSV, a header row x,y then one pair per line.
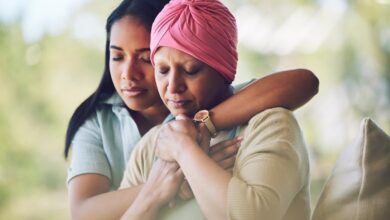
x,y
133,91
178,103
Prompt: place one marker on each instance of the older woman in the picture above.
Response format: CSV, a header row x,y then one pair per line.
x,y
193,49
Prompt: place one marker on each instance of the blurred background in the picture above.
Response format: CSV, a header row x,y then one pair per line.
x,y
51,59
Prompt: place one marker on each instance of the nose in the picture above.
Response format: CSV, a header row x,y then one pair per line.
x,y
131,71
176,83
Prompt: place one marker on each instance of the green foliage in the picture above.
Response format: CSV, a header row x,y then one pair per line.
x,y
42,83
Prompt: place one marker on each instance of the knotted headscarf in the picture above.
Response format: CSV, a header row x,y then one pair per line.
x,y
204,29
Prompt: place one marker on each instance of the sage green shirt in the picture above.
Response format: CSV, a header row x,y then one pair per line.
x,y
103,144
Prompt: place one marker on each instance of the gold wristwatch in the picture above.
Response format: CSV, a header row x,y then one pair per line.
x,y
203,116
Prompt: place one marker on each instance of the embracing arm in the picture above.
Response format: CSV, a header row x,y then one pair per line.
x,y
90,198
88,177
288,89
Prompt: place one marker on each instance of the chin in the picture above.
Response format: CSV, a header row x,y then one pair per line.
x,y
136,106
188,113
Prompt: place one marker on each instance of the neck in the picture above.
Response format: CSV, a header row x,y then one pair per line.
x,y
149,117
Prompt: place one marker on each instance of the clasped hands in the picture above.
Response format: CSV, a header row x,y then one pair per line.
x,y
173,138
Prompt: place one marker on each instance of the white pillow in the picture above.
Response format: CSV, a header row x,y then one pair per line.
x,y
359,186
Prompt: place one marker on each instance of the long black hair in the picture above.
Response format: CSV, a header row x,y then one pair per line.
x,y
146,11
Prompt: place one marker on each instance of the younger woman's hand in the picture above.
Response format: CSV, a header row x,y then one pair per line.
x,y
160,188
225,152
163,181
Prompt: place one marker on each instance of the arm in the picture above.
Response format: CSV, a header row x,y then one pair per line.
x,y
88,178
90,198
289,89
162,184
178,142
270,171
160,179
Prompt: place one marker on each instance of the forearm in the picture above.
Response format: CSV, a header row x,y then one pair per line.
x,y
289,89
110,205
208,181
144,207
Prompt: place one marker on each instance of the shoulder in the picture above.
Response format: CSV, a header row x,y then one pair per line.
x,y
276,124
275,130
148,141
237,87
274,116
143,152
141,159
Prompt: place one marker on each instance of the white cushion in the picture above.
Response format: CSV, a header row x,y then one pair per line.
x,y
359,186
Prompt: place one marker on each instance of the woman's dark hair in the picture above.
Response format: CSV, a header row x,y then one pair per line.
x,y
144,10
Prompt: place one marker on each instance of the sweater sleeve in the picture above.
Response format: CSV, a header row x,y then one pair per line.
x,y
141,160
271,168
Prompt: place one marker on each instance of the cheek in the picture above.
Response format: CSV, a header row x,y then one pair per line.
x,y
114,75
205,94
114,70
161,86
152,85
199,92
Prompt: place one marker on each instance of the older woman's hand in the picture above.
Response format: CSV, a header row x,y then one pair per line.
x,y
173,136
224,153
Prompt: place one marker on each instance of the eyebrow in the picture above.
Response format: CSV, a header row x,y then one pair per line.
x,y
137,50
143,49
116,47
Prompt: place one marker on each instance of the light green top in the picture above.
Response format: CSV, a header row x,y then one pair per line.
x,y
270,176
103,144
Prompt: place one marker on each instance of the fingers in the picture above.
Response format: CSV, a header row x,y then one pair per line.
x,y
223,144
172,203
227,163
204,137
204,131
226,150
181,117
185,192
179,172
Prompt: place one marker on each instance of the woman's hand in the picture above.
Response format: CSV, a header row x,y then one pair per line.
x,y
224,153
163,181
160,188
173,136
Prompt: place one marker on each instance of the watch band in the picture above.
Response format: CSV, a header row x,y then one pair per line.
x,y
209,124
203,116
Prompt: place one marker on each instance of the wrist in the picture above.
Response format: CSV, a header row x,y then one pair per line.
x,y
187,149
141,208
204,116
147,202
183,143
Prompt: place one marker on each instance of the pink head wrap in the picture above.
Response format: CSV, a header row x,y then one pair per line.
x,y
204,29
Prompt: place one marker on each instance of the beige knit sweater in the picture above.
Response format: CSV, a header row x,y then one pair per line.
x,y
270,176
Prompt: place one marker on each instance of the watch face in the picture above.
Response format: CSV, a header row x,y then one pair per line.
x,y
201,115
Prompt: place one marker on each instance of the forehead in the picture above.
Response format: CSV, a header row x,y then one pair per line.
x,y
171,54
129,29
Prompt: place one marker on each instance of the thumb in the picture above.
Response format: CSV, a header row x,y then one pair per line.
x,y
181,117
172,203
